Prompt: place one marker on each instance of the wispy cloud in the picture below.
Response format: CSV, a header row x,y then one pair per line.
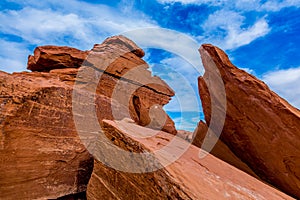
x,y
285,83
168,40
198,2
277,5
231,26
75,23
13,56
241,5
182,78
226,29
40,26
186,120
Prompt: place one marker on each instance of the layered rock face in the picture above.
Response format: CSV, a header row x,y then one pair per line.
x,y
189,177
48,123
41,153
46,58
42,156
261,128
118,72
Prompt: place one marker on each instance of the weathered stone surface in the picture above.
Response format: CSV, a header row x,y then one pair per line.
x,y
46,58
189,177
115,69
41,154
220,150
261,128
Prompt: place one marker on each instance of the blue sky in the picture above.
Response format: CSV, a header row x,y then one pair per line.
x,y
263,37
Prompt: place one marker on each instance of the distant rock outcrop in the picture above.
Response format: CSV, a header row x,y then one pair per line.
x,y
189,177
42,156
261,128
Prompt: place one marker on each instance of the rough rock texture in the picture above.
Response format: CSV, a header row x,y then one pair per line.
x,y
41,153
220,149
187,178
118,72
261,128
42,156
46,58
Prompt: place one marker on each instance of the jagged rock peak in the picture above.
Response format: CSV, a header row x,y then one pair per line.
x,y
261,128
123,43
51,57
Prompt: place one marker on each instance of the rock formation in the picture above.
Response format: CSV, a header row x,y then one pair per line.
x,y
189,177
46,58
42,156
261,128
48,119
220,149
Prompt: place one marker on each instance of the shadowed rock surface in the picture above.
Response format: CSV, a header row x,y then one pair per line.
x,y
189,177
261,128
220,149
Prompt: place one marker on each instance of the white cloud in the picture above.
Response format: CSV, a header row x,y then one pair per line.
x,y
198,2
240,37
224,28
13,56
275,5
41,26
227,27
46,26
182,78
241,5
74,23
285,83
187,123
182,67
168,40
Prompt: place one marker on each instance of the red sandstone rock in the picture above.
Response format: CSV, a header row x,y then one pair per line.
x,y
261,128
220,149
189,177
42,156
46,58
115,69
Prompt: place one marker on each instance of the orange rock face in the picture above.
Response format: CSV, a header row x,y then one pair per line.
x,y
220,150
115,69
189,177
46,58
261,128
42,156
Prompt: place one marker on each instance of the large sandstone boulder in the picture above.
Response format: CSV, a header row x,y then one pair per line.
x,y
261,128
189,177
49,57
42,155
130,82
